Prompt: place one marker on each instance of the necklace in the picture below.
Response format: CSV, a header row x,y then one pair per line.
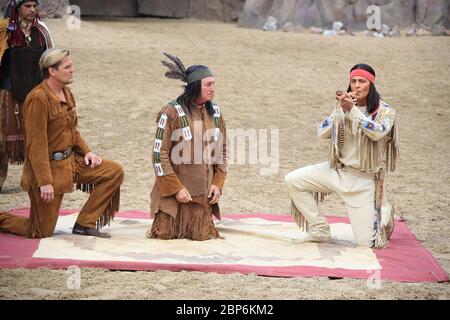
x,y
26,29
28,39
25,25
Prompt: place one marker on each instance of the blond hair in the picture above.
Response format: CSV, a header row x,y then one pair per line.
x,y
52,58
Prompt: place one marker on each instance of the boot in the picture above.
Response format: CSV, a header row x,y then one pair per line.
x,y
86,231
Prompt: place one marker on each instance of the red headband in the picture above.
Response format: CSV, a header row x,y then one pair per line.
x,y
362,73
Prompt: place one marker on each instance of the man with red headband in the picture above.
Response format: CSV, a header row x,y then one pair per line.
x,y
364,146
23,39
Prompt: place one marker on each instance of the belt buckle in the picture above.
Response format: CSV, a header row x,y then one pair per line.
x,y
58,156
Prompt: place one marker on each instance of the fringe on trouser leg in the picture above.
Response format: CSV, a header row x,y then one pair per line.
x,y
110,211
380,238
299,217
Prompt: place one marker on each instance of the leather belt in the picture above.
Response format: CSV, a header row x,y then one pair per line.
x,y
62,155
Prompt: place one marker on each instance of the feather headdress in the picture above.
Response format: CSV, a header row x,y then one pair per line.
x,y
176,68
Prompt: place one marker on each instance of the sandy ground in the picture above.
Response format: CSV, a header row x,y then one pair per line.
x,y
282,81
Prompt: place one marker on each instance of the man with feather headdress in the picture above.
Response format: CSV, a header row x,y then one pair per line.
x,y
23,39
189,158
364,145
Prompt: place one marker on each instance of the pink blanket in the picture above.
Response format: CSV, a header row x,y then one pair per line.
x,y
264,244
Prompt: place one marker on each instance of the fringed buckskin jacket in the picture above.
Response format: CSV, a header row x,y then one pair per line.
x,y
50,126
371,140
179,136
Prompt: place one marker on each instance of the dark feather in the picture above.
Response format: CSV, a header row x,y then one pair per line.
x,y
170,65
176,68
177,61
175,75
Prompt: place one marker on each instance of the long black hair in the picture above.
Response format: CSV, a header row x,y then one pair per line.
x,y
192,93
16,38
373,98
